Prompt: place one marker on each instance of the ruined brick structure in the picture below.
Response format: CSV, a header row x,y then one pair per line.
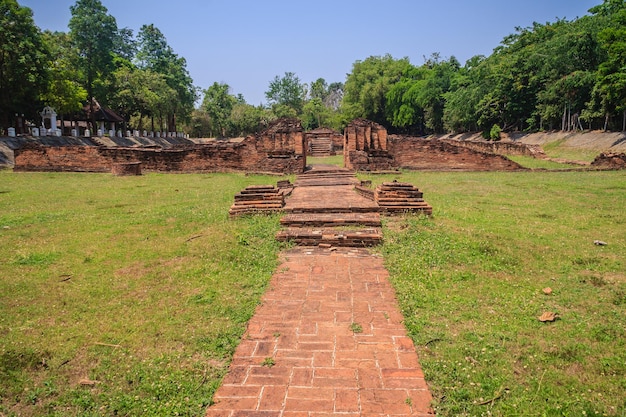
x,y
502,148
610,161
368,148
323,142
365,146
279,149
434,154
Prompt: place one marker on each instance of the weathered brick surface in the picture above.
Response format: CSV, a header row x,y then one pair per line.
x,y
502,148
128,168
610,161
365,146
331,324
323,141
427,154
279,149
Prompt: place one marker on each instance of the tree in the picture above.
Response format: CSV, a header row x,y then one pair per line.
x,y
319,89
286,95
611,84
335,96
247,119
155,54
218,103
65,92
93,33
367,85
23,59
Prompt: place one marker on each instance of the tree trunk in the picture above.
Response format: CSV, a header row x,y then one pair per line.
x,y
606,121
624,122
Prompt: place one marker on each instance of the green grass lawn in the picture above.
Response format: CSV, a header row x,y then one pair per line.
x,y
470,283
328,160
128,295
124,295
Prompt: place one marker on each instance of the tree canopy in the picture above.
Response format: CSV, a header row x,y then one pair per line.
x,y
23,59
555,75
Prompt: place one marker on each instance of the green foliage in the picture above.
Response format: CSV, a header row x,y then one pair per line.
x,y
218,104
494,133
368,84
142,92
469,282
23,63
65,93
155,54
288,93
143,286
93,32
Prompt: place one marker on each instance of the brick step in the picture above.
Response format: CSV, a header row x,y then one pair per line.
x,y
332,237
238,211
424,209
386,200
259,191
327,175
338,209
324,182
257,196
258,199
331,219
277,202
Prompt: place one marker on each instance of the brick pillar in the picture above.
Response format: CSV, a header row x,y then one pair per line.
x,y
382,139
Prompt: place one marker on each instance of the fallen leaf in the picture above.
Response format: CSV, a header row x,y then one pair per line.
x,y
88,382
548,316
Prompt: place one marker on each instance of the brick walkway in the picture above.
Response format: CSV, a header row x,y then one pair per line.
x,y
327,339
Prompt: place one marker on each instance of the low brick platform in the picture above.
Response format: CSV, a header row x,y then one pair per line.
x,y
328,199
356,238
327,339
331,219
258,199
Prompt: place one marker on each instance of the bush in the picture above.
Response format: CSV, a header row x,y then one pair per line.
x,y
494,134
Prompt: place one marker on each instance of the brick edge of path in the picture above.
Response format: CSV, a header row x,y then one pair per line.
x,y
328,338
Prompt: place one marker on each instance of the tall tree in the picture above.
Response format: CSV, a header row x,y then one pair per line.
x,y
94,33
286,93
367,85
23,58
218,103
65,92
155,54
611,85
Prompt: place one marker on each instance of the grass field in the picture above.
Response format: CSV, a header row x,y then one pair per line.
x,y
124,295
127,295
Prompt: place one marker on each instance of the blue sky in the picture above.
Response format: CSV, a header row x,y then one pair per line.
x,y
246,43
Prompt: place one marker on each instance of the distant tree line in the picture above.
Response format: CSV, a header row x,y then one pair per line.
x,y
141,77
562,75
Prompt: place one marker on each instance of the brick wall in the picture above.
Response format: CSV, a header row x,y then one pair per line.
x,y
502,148
279,149
433,154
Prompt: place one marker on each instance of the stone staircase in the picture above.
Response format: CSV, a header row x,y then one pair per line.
x,y
394,197
258,199
325,211
321,147
328,206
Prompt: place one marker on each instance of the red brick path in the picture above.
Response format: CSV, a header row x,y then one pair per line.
x,y
327,339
